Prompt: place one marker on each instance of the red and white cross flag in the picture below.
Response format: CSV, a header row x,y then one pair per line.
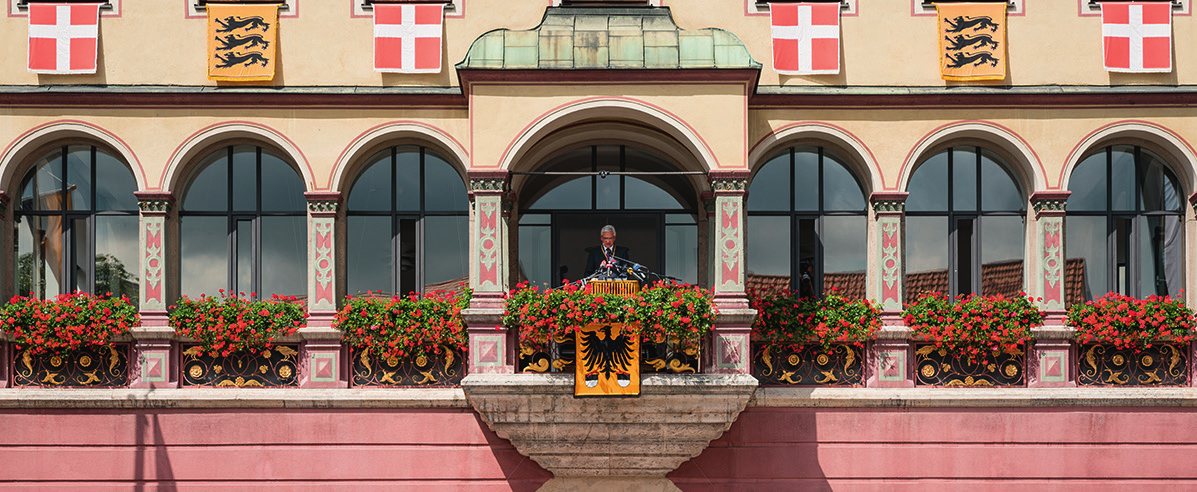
x,y
806,37
407,38
1137,37
63,37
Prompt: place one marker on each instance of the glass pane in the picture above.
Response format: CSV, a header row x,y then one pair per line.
x,y
407,256
46,192
372,190
999,189
444,191
926,256
245,178
1002,255
208,190
841,191
806,178
1088,184
767,249
1122,256
39,256
570,195
204,255
1160,190
79,177
407,178
845,258
680,219
607,189
116,255
282,186
964,179
284,256
1161,264
446,253
368,255
929,185
245,259
79,256
536,219
1086,258
1122,178
964,268
681,252
808,252
536,260
643,195
114,184
770,186
32,186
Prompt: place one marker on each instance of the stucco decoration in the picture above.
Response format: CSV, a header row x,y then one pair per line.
x,y
729,276
154,209
608,38
488,243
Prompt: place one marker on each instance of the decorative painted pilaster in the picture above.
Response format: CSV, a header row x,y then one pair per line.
x,y
154,364
492,345
1048,276
322,360
731,336
889,208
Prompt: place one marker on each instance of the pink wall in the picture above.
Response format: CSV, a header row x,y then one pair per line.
x,y
320,449
982,449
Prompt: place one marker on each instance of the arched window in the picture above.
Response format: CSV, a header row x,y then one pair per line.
x,y
965,223
77,225
807,225
243,225
408,224
1124,228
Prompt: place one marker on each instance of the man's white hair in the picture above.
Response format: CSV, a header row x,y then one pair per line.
x,y
607,228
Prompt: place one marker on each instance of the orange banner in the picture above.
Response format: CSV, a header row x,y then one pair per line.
x,y
608,360
972,41
242,42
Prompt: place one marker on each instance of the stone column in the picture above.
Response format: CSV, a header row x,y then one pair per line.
x,y
4,345
322,361
731,337
492,345
154,363
891,356
1049,361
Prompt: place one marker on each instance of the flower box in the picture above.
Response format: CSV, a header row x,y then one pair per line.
x,y
775,364
266,368
443,368
674,320
971,340
89,366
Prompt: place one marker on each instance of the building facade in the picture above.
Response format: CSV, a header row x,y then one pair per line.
x,y
666,118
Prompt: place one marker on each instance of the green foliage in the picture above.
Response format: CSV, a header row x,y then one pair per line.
x,y
784,319
401,326
229,324
975,325
66,322
1127,322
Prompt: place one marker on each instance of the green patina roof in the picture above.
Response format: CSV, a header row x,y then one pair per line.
x,y
598,38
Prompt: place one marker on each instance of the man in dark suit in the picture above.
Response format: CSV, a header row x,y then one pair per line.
x,y
607,255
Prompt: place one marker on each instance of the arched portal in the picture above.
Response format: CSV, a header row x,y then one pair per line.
x,y
565,201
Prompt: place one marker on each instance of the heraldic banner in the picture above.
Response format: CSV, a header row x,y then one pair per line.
x,y
608,360
972,41
241,41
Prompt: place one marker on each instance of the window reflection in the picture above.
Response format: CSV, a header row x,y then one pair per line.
x,y
806,225
411,232
1133,245
77,225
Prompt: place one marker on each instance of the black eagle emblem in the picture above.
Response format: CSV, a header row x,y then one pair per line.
x,y
607,355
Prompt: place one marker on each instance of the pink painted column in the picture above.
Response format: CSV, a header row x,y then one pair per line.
x,y
731,337
154,364
492,345
323,363
891,356
1051,359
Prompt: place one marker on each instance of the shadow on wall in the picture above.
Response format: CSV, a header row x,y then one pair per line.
x,y
765,449
522,473
160,476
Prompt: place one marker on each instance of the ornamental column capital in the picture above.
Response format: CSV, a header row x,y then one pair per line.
x,y
489,182
889,202
1049,203
728,182
323,203
154,203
